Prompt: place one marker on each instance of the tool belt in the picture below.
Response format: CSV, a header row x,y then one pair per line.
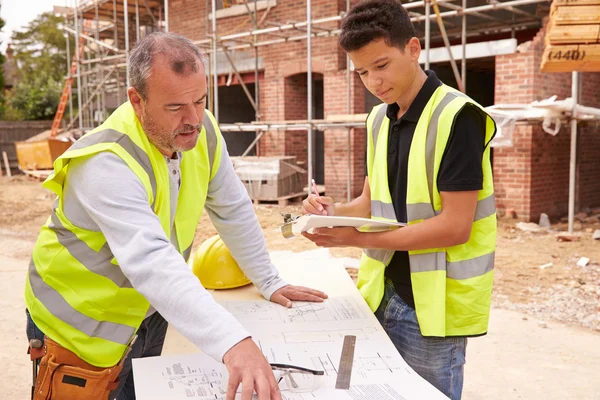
x,y
63,375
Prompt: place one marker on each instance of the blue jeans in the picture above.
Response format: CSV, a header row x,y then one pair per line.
x,y
149,343
439,360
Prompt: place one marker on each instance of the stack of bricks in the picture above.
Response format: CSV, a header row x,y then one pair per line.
x,y
573,37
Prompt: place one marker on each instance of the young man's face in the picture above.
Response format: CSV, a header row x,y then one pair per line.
x,y
173,110
387,71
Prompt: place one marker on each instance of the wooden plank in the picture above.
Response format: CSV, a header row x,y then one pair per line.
x,y
575,2
569,58
6,164
574,34
41,174
576,15
347,118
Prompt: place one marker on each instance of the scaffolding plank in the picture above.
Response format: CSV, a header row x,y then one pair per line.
x,y
347,117
569,58
574,34
575,2
576,15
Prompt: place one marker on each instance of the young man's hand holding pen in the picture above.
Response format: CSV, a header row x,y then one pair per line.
x,y
316,204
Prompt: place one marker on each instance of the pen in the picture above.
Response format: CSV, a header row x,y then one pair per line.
x,y
314,187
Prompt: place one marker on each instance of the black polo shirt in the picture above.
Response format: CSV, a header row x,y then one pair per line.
x,y
460,169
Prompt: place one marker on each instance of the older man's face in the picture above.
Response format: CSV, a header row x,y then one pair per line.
x,y
173,110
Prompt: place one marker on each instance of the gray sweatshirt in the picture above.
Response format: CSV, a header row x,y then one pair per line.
x,y
103,194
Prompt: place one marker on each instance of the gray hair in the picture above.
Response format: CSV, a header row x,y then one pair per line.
x,y
182,54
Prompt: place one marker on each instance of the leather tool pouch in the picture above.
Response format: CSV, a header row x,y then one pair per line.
x,y
63,375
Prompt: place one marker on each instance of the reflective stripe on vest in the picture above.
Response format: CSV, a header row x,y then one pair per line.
x,y
455,270
100,262
112,136
59,307
379,209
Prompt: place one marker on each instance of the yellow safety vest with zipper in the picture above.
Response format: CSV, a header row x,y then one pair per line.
x,y
452,286
75,291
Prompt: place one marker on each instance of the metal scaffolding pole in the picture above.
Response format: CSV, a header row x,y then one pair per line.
x,y
573,158
440,22
427,32
210,101
208,65
214,60
69,76
166,15
463,64
102,95
126,19
137,21
288,126
86,88
244,87
151,14
282,40
309,95
116,38
76,14
92,40
349,110
474,10
257,115
256,85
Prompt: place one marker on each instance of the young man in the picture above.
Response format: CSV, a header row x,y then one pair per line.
x,y
428,164
110,263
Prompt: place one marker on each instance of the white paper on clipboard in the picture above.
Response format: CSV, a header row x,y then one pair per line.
x,y
307,222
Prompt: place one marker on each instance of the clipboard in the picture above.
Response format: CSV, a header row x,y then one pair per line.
x,y
307,222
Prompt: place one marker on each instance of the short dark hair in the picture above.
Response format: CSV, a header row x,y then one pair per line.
x,y
183,56
376,19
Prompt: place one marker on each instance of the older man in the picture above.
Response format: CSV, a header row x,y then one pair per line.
x,y
110,264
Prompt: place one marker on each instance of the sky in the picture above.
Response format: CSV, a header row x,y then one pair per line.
x,y
18,13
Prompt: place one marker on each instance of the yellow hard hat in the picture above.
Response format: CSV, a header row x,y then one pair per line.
x,y
215,267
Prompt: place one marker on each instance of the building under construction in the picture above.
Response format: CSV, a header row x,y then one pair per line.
x,y
281,86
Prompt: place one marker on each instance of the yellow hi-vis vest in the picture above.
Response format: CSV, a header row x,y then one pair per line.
x,y
452,286
76,292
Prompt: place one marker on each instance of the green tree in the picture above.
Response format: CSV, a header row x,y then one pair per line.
x,y
36,98
41,57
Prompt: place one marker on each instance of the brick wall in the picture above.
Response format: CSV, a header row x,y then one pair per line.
x,y
282,88
532,177
336,140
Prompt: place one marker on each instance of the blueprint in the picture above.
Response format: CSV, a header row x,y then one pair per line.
x,y
266,313
306,335
199,377
189,376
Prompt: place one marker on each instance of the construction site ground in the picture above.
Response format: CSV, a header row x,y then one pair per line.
x,y
544,337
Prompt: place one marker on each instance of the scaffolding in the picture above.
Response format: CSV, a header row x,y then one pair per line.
x,y
110,27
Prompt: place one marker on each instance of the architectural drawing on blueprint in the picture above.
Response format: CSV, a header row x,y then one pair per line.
x,y
262,312
366,367
195,382
333,335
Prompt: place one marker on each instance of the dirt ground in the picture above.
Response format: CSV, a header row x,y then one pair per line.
x,y
544,339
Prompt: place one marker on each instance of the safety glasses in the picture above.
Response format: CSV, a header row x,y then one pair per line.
x,y
297,379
